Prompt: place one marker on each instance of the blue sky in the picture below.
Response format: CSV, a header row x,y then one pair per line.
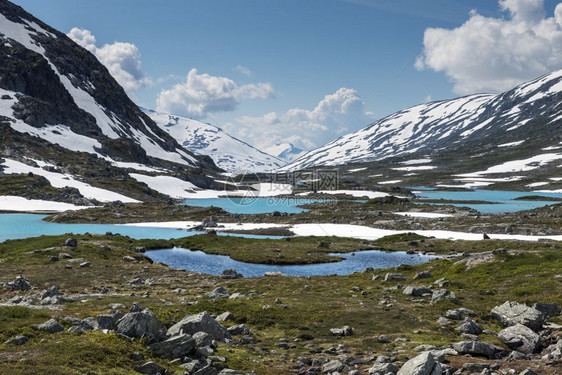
x,y
278,56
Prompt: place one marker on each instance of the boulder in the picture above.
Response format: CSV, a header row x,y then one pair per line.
x,y
469,326
422,275
219,292
334,366
151,368
174,347
51,292
441,295
17,340
418,291
202,322
225,316
231,273
141,324
478,348
207,370
109,321
344,331
20,283
382,368
548,309
274,273
240,329
70,242
512,313
423,364
520,338
50,326
458,314
394,277
203,339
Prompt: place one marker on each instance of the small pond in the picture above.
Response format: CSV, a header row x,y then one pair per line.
x,y
198,261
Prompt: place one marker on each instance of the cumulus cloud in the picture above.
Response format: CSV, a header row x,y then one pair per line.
x,y
123,60
201,94
488,54
335,114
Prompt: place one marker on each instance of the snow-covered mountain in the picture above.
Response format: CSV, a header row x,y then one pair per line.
x,y
530,112
228,153
54,90
285,151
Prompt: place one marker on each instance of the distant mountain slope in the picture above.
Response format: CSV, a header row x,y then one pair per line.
x,y
285,151
228,153
55,90
530,112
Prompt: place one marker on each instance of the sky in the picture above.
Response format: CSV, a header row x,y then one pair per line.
x,y
309,71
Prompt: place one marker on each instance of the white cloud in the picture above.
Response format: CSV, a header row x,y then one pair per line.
x,y
242,69
488,54
201,94
123,60
333,115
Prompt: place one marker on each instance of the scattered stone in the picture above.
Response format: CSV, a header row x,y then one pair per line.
x,y
383,339
548,309
418,291
520,338
141,324
444,322
117,306
240,329
20,283
219,292
344,331
334,366
442,295
394,277
231,273
54,258
511,313
274,273
423,364
84,264
528,372
228,371
51,292
475,367
469,326
383,368
70,242
422,275
458,314
207,370
151,368
50,326
478,348
128,258
442,282
174,347
236,296
225,316
202,322
108,321
17,340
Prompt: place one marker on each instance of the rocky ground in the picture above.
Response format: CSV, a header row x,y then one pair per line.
x,y
94,304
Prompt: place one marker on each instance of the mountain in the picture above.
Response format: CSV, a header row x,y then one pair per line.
x,y
285,151
60,108
528,116
228,153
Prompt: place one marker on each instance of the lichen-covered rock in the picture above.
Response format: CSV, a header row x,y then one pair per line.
x,y
441,295
478,348
174,347
20,283
423,364
141,324
512,313
202,322
417,291
50,326
520,338
469,326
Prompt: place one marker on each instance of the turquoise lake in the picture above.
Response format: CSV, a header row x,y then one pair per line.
x,y
504,199
253,205
197,261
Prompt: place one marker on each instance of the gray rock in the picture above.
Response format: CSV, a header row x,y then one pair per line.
x,y
475,367
141,324
469,326
52,291
520,338
334,366
108,321
383,368
228,371
207,370
344,331
444,322
201,322
459,313
70,242
231,273
418,291
511,313
478,348
422,275
117,306
20,283
174,347
274,274
394,277
203,339
383,339
423,364
240,329
17,340
65,256
219,292
129,259
151,368
442,295
50,326
225,316
528,372
84,264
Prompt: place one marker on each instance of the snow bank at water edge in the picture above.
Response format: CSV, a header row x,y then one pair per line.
x,y
20,204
